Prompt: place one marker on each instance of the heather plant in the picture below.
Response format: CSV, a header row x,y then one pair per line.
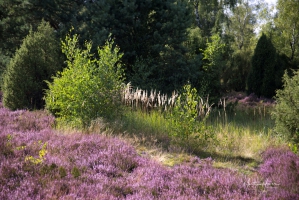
x,y
22,120
280,170
88,88
94,166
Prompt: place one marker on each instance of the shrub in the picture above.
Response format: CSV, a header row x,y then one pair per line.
x,y
280,169
188,116
286,112
35,61
88,88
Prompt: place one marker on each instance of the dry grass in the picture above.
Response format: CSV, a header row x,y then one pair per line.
x,y
146,101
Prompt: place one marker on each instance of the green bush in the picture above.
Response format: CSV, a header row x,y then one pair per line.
x,y
36,60
88,88
188,118
286,112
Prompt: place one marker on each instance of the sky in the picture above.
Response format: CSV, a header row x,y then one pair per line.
x,y
271,1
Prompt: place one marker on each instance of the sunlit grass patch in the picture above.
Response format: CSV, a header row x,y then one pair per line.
x,y
244,141
241,135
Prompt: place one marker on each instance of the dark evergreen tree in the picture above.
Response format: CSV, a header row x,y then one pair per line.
x,y
35,61
17,17
264,69
13,28
150,30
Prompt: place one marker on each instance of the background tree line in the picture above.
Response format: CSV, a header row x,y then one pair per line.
x,y
214,45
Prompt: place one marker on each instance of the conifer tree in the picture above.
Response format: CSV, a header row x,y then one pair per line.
x,y
35,61
13,28
265,73
148,31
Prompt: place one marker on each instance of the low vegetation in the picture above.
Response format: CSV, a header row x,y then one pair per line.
x,y
39,162
287,111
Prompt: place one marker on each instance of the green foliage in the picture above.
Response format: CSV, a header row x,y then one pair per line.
x,y
149,33
62,172
265,75
286,113
17,17
239,39
294,147
242,24
4,60
209,15
287,25
213,66
185,119
35,61
236,72
48,169
142,71
13,25
88,88
75,172
6,148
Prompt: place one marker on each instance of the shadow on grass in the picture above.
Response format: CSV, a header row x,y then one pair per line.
x,y
151,131
240,163
226,158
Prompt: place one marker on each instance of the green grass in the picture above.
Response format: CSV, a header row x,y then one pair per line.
x,y
147,125
241,136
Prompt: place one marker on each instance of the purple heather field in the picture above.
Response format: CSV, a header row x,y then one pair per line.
x,y
38,162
